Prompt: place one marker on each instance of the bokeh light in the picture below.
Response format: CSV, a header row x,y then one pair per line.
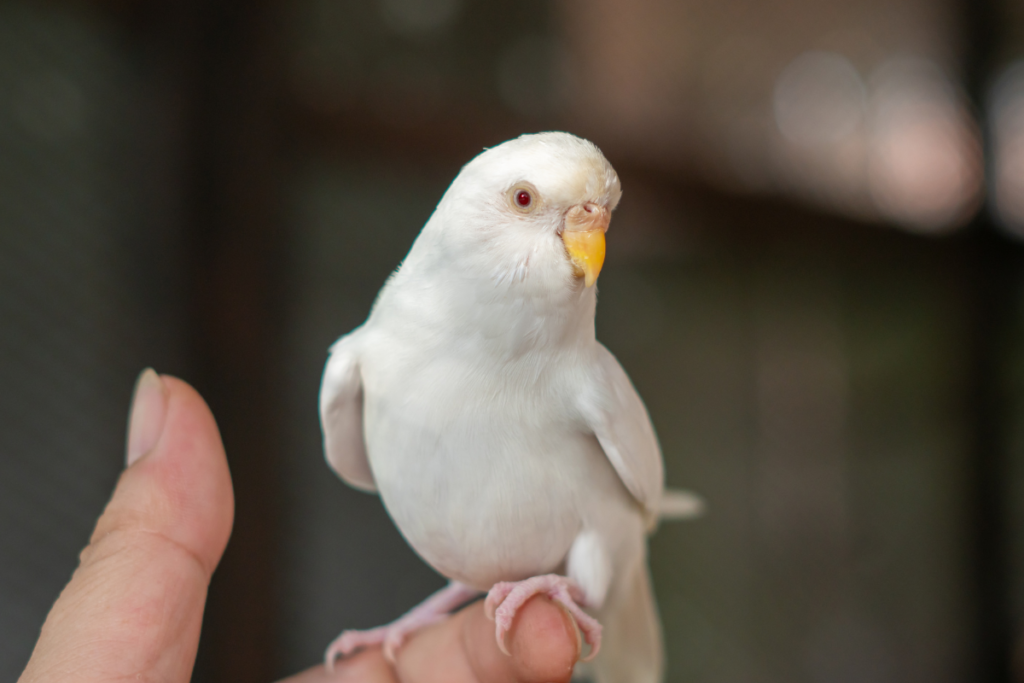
x,y
819,99
925,169
900,147
1006,120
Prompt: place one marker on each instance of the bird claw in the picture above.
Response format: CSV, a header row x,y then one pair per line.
x,y
504,600
390,638
351,641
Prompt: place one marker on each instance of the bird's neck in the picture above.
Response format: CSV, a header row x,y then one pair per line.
x,y
502,320
505,301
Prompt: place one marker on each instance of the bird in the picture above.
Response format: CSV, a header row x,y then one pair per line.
x,y
507,444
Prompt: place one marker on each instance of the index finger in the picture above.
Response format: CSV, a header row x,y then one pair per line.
x,y
543,641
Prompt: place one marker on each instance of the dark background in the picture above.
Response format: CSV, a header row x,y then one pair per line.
x,y
815,280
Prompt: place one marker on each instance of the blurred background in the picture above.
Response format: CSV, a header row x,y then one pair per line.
x,y
815,279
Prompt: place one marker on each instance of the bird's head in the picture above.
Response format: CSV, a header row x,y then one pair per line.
x,y
538,202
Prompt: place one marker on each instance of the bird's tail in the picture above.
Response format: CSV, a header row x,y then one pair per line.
x,y
678,505
631,650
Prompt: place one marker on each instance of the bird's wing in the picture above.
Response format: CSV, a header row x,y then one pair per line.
x,y
619,420
341,415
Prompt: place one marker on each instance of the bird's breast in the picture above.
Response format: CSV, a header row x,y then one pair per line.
x,y
481,469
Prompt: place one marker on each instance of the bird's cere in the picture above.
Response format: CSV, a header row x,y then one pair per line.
x,y
583,235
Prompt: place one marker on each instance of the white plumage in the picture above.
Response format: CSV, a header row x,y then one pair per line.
x,y
504,440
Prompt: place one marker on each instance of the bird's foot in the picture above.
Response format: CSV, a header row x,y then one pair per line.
x,y
352,641
505,599
391,637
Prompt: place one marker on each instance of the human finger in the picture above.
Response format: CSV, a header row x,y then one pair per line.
x,y
134,606
543,642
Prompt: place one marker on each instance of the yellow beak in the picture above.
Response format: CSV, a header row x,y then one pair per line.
x,y
583,236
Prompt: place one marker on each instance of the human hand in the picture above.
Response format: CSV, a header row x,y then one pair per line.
x,y
133,608
543,642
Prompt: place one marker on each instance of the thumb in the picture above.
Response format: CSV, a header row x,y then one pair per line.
x,y
134,606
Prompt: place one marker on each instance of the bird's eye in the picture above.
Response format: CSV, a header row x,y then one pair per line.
x,y
524,198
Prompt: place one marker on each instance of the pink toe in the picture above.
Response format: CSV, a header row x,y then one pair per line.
x,y
329,658
350,641
396,638
495,597
505,599
502,623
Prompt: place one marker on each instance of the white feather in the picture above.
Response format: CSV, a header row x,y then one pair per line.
x,y
504,440
676,504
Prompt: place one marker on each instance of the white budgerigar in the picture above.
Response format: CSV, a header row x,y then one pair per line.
x,y
507,444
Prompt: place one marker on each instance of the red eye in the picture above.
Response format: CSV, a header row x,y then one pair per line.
x,y
523,198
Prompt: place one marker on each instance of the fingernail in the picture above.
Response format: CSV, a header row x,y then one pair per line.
x,y
148,412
